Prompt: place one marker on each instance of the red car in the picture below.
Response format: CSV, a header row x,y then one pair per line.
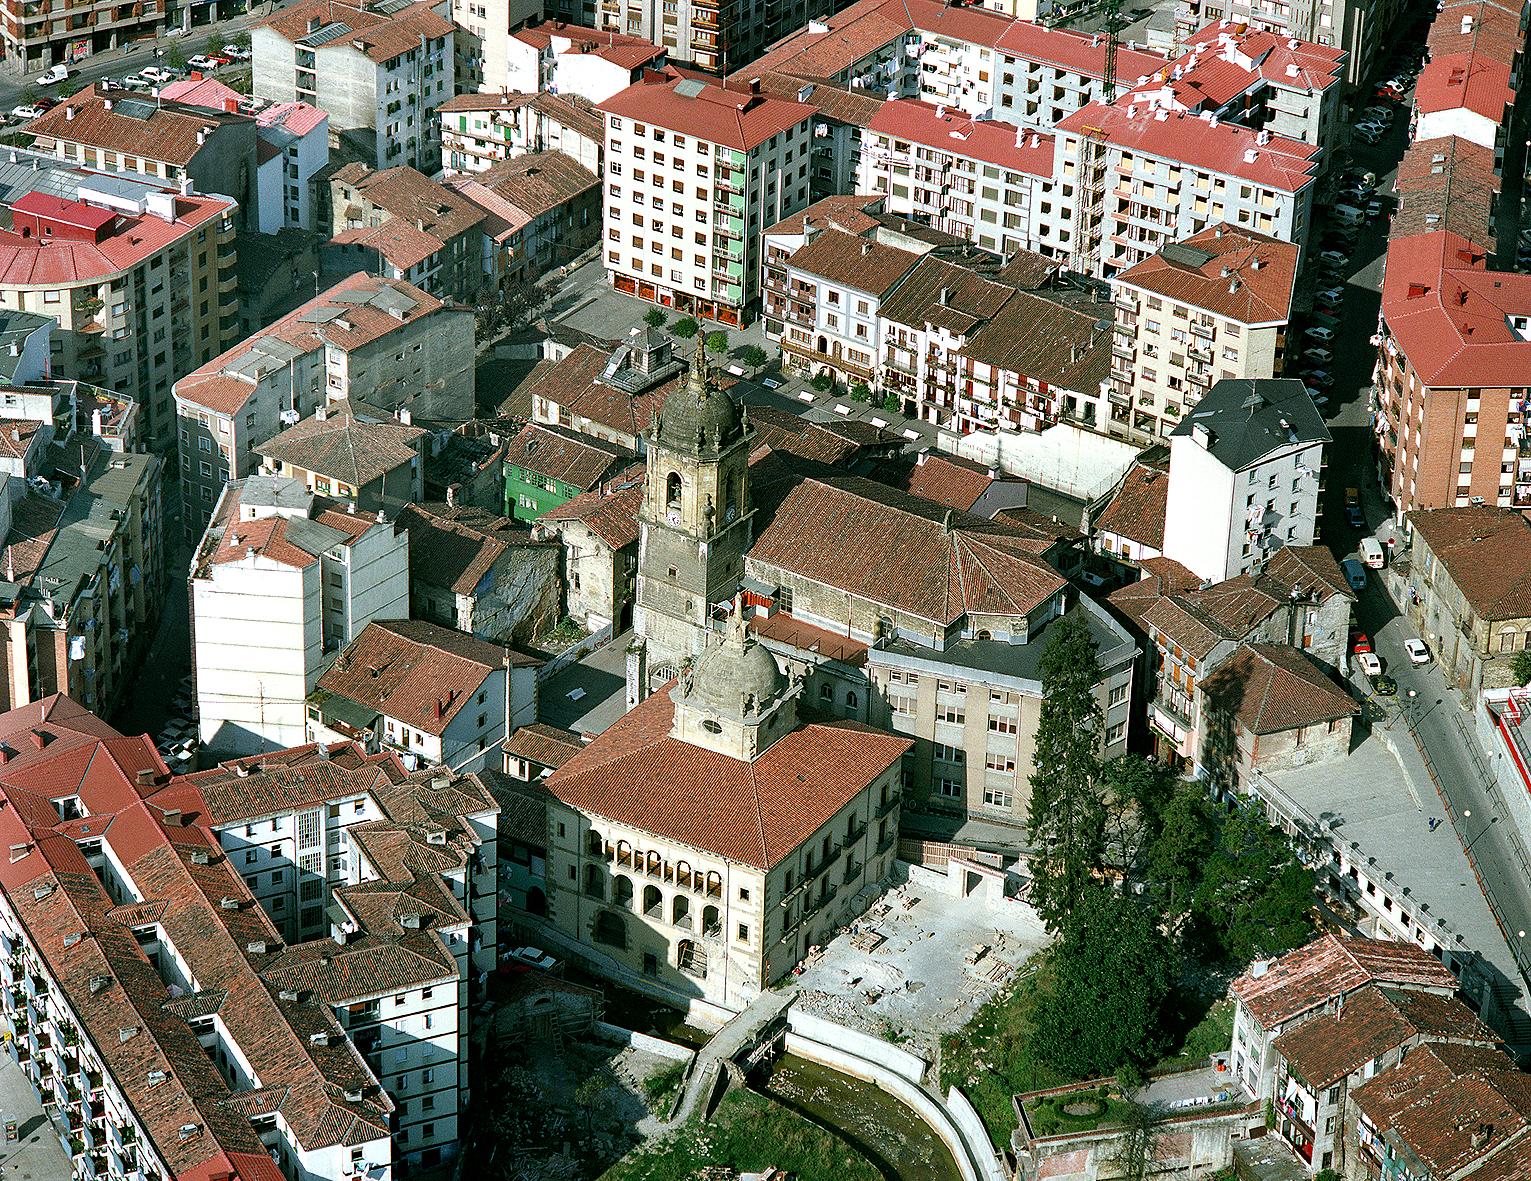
x,y
1359,642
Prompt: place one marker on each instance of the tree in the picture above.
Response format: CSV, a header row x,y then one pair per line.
x,y
175,57
1067,817
685,328
239,40
754,356
860,391
1113,970
655,318
822,382
1520,667
892,403
1136,796
1255,898
717,342
1181,848
1142,1128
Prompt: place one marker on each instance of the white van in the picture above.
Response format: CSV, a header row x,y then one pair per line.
x,y
1372,553
1347,215
1355,573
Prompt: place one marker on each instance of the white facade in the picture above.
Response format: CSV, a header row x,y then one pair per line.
x,y
263,618
474,138
1219,522
302,137
482,29
560,67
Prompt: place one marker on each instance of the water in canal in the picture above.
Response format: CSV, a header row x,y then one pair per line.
x,y
888,1133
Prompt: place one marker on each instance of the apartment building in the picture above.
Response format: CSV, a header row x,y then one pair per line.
x,y
401,223
295,139
1152,171
593,64
111,130
598,533
694,175
541,209
989,182
139,274
773,832
379,69
834,286
34,37
1363,33
367,341
378,464
610,395
376,881
478,130
547,465
972,708
419,688
280,578
1245,473
85,570
481,32
1451,373
1212,307
1469,574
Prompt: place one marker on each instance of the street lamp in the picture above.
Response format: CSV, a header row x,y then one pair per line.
x,y
1467,815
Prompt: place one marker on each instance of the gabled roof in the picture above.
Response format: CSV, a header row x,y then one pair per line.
x,y
855,262
913,555
752,813
1230,272
950,480
580,461
418,672
345,447
818,442
372,30
535,183
950,130
1137,510
613,516
545,745
1473,82
619,49
734,118
1447,183
1487,552
1247,419
1275,991
458,546
1272,688
172,132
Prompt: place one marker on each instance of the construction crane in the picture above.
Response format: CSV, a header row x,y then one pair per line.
x,y
1113,13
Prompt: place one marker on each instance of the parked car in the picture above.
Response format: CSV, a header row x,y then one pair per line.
x,y
1418,650
1321,356
1334,256
55,75
156,74
26,111
1320,333
1384,685
134,82
1318,377
238,54
201,62
1359,642
1369,664
1355,573
1332,293
1366,136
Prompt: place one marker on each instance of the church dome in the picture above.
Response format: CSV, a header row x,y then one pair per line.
x,y
698,416
737,678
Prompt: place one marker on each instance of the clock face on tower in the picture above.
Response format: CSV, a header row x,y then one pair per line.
x,y
731,513
673,517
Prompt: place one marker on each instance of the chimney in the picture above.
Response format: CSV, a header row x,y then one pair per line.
x,y
145,777
185,186
437,710
637,672
754,85
866,248
945,295
69,111
173,818
231,106
108,104
453,491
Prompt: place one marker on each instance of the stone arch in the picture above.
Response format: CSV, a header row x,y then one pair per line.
x,y
653,902
672,490
691,959
610,929
680,911
622,891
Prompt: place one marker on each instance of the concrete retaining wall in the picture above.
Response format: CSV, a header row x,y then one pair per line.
x,y
643,1041
975,1161
900,1061
966,1118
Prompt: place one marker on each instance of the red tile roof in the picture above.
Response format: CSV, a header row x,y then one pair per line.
x,y
418,672
1137,510
613,517
1331,965
379,35
547,746
534,183
579,461
172,132
1079,53
1449,316
620,49
1265,270
298,118
1272,688
1487,553
891,548
345,447
752,813
1229,60
1448,183
948,130
851,261
457,547
1286,165
1465,81
949,480
733,118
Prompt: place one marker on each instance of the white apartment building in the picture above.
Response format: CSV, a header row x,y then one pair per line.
x,y
1151,172
380,71
694,175
280,578
1245,469
1042,75
1212,307
989,182
1359,30
437,694
297,142
378,341
593,64
480,130
482,29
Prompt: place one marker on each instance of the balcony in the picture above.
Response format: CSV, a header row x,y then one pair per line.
x,y
1201,330
852,872
887,842
887,805
855,834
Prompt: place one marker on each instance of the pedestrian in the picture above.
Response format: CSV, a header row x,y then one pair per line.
x,y
1433,823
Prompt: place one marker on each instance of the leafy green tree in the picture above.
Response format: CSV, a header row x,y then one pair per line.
x,y
754,356
655,318
1137,793
1113,971
717,342
892,403
1143,1126
860,391
1255,898
1067,817
1185,841
822,382
239,40
1520,667
175,57
685,328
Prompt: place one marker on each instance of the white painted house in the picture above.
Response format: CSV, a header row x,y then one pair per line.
x,y
281,576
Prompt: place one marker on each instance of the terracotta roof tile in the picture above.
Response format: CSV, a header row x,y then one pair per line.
x,y
858,263
457,547
1137,511
731,117
344,447
611,516
1487,552
380,36
537,181
949,480
546,745
1448,183
579,461
1329,966
1272,688
170,133
755,813
1264,291
795,435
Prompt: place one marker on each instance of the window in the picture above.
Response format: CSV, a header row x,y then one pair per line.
x,y
743,935
1001,763
948,754
952,714
1117,695
1116,733
1002,725
950,788
993,798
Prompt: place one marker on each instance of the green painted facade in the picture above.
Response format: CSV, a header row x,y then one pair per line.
x,y
529,494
